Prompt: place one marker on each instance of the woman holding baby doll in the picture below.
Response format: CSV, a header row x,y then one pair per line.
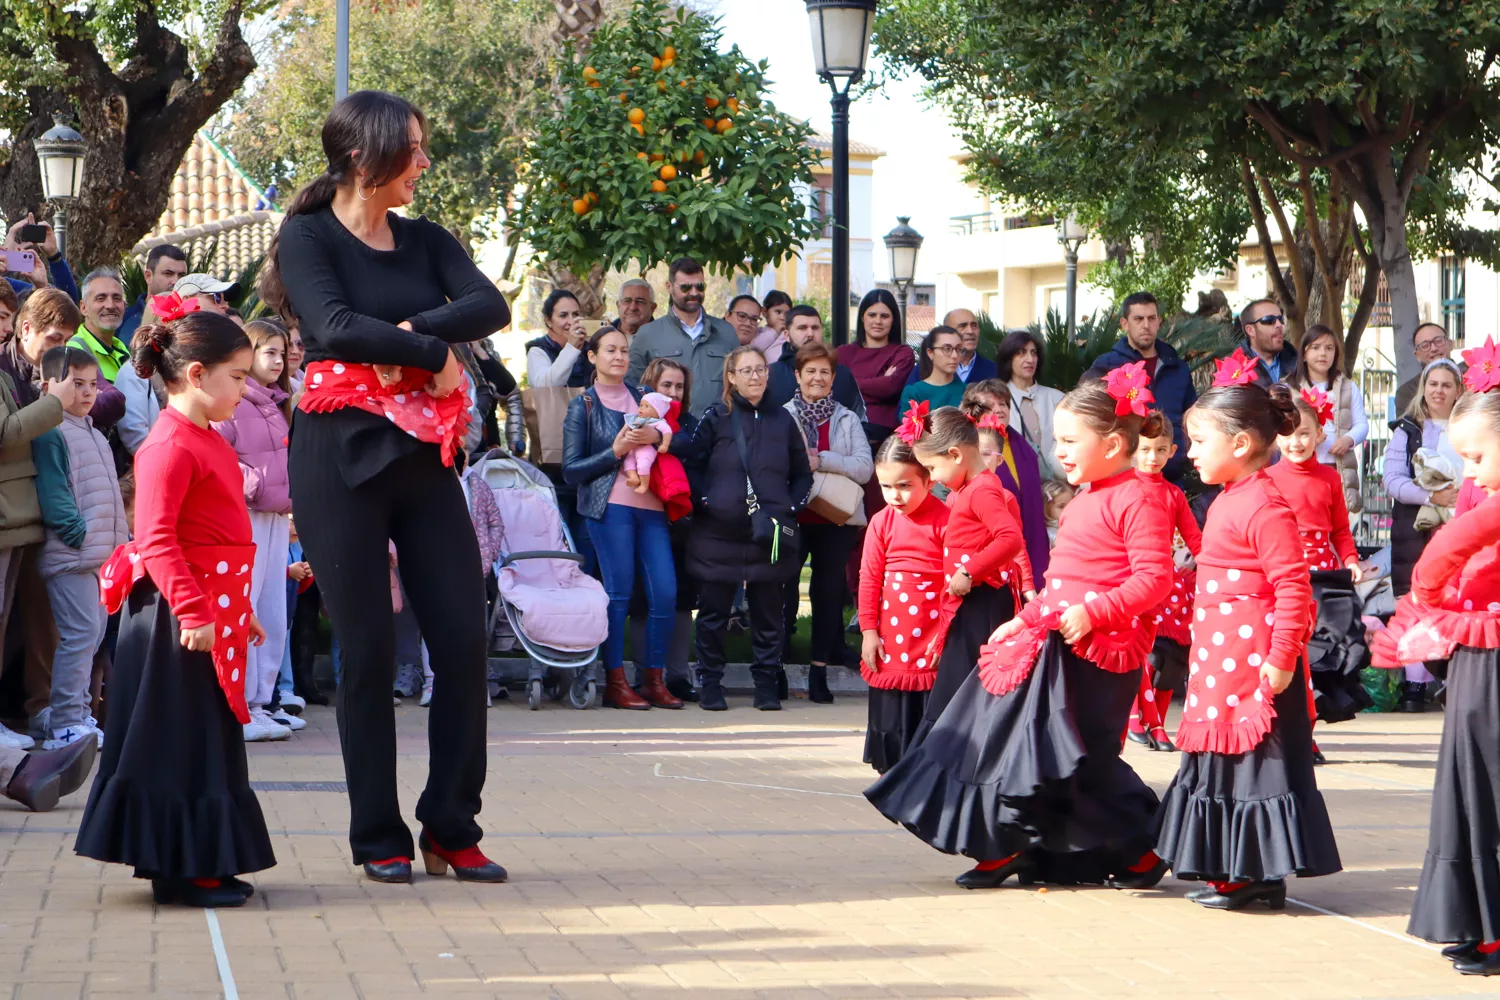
x,y
614,438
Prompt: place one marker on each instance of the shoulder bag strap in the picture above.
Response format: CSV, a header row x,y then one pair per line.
x,y
752,502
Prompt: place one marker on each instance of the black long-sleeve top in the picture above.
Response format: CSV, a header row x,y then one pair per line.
x,y
348,298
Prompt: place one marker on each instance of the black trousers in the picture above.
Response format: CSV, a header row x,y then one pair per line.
x,y
417,503
714,602
828,545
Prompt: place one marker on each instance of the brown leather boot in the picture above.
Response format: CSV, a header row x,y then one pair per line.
x,y
654,690
617,692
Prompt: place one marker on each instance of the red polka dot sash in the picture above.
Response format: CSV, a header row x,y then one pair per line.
x,y
1004,665
1174,616
915,612
223,571
1317,549
334,385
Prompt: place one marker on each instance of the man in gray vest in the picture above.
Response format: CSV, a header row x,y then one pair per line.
x,y
688,335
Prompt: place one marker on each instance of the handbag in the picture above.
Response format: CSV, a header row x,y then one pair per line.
x,y
545,409
766,529
834,497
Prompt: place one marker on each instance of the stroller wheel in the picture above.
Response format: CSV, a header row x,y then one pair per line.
x,y
581,696
534,693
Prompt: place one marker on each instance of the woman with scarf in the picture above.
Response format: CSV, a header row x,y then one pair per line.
x,y
836,446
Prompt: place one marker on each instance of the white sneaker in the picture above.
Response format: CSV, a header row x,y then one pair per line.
x,y
18,741
283,718
68,735
426,693
93,724
261,728
292,703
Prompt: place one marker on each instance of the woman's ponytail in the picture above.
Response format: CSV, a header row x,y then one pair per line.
x,y
309,199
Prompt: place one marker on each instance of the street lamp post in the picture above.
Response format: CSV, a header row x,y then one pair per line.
x,y
904,243
60,151
1072,236
341,51
841,44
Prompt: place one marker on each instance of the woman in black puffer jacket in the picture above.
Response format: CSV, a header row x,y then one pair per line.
x,y
721,553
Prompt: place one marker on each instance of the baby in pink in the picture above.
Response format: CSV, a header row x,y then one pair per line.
x,y
652,413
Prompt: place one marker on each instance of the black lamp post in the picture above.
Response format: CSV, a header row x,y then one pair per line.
x,y
1071,235
841,44
904,243
60,151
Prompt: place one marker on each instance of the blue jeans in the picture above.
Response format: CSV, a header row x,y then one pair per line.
x,y
624,538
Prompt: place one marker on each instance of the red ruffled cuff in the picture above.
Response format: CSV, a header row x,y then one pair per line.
x,y
1417,633
1004,665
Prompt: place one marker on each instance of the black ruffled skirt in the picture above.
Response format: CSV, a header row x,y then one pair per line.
x,y
895,717
1458,897
1337,651
1254,816
1168,663
173,792
1035,770
982,610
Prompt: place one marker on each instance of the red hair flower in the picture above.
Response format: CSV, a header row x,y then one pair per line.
x,y
1484,367
914,424
172,306
1236,369
1319,401
992,422
1131,388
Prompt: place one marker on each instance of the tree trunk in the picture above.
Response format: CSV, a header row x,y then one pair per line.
x,y
589,291
138,123
1374,183
577,20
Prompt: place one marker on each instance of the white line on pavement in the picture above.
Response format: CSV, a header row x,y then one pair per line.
x,y
226,975
1369,927
746,784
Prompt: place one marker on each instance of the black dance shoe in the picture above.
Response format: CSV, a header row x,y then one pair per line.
x,y
394,870
1201,892
817,686
682,689
1413,697
469,864
1147,879
188,893
1273,894
239,885
1318,758
1020,866
1464,951
1162,742
1480,965
1142,737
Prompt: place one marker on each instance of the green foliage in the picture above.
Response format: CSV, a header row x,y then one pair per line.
x,y
476,68
733,203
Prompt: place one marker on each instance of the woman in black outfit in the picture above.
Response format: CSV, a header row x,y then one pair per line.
x,y
370,460
721,551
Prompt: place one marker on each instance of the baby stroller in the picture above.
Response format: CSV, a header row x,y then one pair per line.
x,y
558,614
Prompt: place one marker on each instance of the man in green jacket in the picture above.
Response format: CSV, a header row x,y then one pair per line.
x,y
688,335
103,311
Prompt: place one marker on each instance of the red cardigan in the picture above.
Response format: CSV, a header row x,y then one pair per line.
x,y
984,533
189,492
1315,493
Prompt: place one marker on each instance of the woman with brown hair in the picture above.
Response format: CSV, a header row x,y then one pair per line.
x,y
380,299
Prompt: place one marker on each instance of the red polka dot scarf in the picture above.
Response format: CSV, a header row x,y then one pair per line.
x,y
334,385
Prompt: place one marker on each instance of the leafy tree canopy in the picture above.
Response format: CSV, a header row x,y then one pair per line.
x,y
663,146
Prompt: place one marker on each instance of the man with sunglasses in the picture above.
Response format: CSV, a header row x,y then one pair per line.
x,y
688,335
1264,327
212,293
1429,343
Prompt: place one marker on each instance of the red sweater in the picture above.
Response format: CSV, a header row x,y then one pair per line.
x,y
1115,537
899,543
1315,493
984,533
189,492
1463,555
1251,527
1171,497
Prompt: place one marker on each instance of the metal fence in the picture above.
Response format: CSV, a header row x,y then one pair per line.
x,y
1373,525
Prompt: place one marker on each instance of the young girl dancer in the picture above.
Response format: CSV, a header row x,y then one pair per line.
x,y
984,554
1315,492
1453,612
1023,772
1167,663
1244,810
902,602
173,795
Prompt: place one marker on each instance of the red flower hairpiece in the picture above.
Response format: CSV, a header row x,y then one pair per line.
x,y
1131,388
914,424
1234,370
1319,401
1484,367
992,422
172,306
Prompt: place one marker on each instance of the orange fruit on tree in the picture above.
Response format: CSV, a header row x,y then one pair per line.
x,y
682,83
725,125
590,71
669,54
655,65
640,129
595,83
640,156
672,206
698,156
656,157
591,198
668,172
636,116
711,102
734,105
661,85
708,123
658,186
682,156
580,206
624,99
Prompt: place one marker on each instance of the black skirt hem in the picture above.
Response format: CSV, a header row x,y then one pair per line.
x,y
895,717
172,837
1215,839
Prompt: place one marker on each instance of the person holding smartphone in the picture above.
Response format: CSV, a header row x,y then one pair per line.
x,y
48,266
559,359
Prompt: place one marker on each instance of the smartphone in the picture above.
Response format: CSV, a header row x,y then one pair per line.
x,y
32,233
590,326
20,261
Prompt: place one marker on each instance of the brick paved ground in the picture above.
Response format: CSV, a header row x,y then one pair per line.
x,y
726,856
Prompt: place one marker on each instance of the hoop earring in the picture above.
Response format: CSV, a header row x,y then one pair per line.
x,y
360,191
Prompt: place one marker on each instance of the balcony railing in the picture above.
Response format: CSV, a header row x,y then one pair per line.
x,y
989,222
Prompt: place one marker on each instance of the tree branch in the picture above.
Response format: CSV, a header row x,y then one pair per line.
x,y
1262,231
1363,309
1297,308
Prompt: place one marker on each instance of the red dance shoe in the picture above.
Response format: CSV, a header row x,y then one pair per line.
x,y
469,863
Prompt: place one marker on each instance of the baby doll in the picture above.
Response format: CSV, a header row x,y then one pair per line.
x,y
653,412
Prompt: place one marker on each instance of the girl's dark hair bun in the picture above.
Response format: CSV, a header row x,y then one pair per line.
x,y
1284,406
167,348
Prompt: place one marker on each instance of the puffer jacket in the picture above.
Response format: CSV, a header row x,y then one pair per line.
x,y
719,548
80,498
20,513
258,432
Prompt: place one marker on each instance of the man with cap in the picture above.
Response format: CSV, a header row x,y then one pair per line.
x,y
212,293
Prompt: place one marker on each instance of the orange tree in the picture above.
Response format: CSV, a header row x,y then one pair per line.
x,y
663,146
